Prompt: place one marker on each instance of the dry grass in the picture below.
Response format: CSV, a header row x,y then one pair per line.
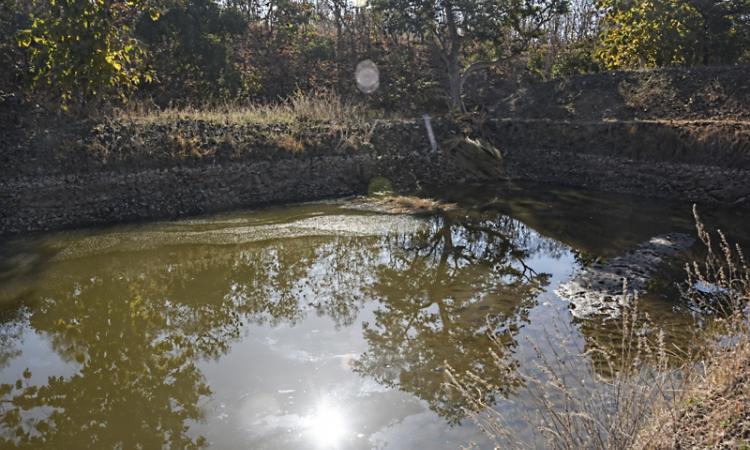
x,y
289,143
650,396
715,412
415,205
322,107
382,199
185,147
720,284
641,93
574,403
291,125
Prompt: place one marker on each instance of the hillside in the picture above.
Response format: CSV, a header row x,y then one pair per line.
x,y
716,93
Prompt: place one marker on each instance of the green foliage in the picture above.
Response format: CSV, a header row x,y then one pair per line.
x,y
410,84
648,33
576,59
477,20
430,53
535,63
81,50
290,53
191,50
468,35
547,61
656,33
379,186
12,57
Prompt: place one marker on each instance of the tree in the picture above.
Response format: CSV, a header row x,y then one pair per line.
x,y
722,29
288,50
13,18
469,35
81,49
657,33
191,48
568,42
155,374
443,291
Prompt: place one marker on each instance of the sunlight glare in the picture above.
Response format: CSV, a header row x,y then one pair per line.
x,y
327,426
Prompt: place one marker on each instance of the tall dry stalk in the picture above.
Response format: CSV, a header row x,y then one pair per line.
x,y
575,402
720,284
646,397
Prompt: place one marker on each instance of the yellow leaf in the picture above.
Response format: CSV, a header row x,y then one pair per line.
x,y
24,40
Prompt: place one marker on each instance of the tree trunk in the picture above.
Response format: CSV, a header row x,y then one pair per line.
x,y
454,85
706,42
338,50
453,61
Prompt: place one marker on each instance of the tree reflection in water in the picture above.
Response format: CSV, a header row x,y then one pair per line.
x,y
12,322
133,372
441,292
137,326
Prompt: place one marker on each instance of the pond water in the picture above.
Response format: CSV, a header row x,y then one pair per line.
x,y
313,326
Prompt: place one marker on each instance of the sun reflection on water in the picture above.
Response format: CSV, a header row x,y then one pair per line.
x,y
327,426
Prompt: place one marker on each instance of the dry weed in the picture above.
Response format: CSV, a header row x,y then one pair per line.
x,y
322,107
650,396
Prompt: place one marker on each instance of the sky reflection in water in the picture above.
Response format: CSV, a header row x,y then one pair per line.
x,y
306,327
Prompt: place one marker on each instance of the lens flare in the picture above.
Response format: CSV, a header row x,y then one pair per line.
x,y
367,76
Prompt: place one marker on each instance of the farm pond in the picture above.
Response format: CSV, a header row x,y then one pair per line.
x,y
320,325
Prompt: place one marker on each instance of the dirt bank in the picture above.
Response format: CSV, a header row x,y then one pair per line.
x,y
672,134
90,174
111,173
700,93
707,162
678,134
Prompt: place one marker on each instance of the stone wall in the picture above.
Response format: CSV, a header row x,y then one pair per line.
x,y
104,174
702,161
123,182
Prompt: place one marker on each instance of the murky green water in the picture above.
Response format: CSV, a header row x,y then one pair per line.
x,y
314,326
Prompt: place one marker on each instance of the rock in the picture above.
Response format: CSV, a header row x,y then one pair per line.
x,y
598,289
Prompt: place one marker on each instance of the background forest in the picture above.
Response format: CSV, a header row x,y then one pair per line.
x,y
432,55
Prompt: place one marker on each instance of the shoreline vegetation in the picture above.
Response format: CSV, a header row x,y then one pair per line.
x,y
654,396
323,107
